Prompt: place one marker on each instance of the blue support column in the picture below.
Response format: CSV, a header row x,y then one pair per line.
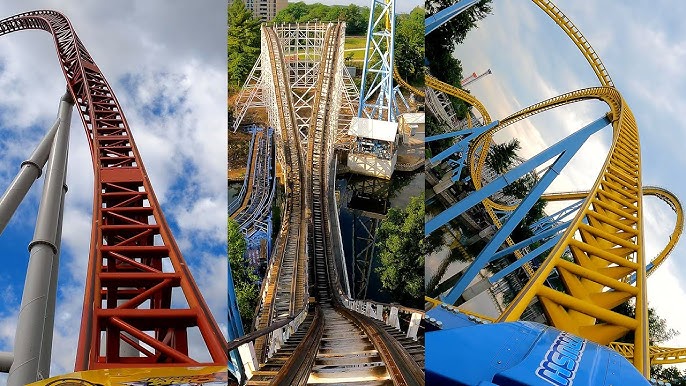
x,y
574,140
566,149
378,60
553,219
523,244
525,259
553,232
434,21
462,145
235,328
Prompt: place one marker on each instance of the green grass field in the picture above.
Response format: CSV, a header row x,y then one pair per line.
x,y
355,43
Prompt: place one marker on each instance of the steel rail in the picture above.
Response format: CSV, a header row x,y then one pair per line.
x,y
401,367
250,179
663,194
256,206
233,205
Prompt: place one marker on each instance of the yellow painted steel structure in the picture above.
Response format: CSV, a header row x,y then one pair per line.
x,y
404,84
658,355
606,242
579,40
664,195
605,238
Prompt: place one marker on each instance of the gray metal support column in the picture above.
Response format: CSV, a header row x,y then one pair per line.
x,y
6,359
48,327
28,174
33,339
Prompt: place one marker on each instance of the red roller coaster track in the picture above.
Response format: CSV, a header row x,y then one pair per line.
x,y
128,295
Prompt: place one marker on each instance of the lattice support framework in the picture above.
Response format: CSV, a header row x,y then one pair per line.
x,y
134,263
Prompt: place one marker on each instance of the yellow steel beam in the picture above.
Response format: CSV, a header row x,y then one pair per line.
x,y
579,40
404,84
658,355
664,195
593,287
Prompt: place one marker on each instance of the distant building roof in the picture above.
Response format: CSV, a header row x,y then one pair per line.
x,y
413,117
374,129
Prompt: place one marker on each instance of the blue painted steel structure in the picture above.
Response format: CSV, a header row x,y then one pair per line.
x,y
235,329
517,354
563,150
236,203
438,19
376,95
552,220
462,145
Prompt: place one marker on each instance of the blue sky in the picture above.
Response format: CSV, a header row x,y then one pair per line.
x,y
166,62
643,46
400,5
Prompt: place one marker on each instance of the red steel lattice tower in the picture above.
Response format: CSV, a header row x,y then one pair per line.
x,y
128,319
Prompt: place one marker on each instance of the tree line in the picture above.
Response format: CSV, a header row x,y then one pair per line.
x,y
243,40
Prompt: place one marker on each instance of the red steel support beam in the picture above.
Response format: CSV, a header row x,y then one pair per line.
x,y
127,296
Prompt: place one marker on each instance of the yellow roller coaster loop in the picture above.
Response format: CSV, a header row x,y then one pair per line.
x,y
605,238
579,40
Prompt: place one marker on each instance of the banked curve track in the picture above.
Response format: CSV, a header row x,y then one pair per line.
x,y
123,248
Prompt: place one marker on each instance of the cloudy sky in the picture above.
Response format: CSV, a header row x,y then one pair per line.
x,y
401,6
643,46
166,62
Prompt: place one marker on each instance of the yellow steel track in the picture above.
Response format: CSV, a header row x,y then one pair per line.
x,y
658,355
664,195
605,239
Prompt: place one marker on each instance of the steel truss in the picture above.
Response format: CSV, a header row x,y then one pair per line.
x,y
376,93
128,318
301,46
440,105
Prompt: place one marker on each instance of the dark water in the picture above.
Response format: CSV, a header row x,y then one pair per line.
x,y
234,189
373,195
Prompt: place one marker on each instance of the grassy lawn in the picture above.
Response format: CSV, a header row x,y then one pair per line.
x,y
355,43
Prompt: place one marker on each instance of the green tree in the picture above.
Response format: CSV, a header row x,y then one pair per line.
x,y
520,187
244,278
658,332
409,45
440,44
401,248
355,20
243,43
670,374
502,155
454,31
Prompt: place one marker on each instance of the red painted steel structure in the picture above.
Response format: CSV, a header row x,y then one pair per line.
x,y
127,294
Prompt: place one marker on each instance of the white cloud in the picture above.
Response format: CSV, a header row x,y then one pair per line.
x,y
168,56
